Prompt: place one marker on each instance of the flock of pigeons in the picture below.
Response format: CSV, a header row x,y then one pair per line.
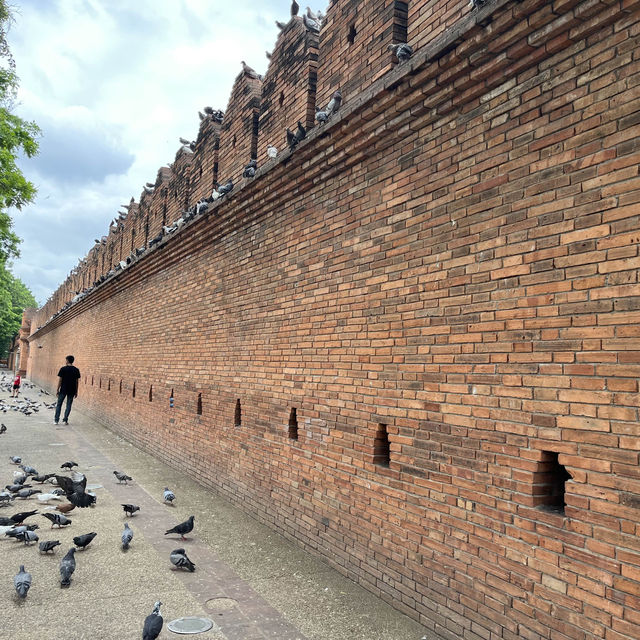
x,y
69,492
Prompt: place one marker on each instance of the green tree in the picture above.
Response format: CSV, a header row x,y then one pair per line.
x,y
14,298
17,136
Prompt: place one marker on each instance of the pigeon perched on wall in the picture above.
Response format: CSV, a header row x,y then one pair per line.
x,y
168,495
295,7
57,518
281,25
476,4
310,23
227,187
67,567
153,623
48,545
272,151
122,477
180,559
248,71
22,582
182,528
321,116
127,536
292,140
334,103
84,540
402,51
301,132
250,169
130,509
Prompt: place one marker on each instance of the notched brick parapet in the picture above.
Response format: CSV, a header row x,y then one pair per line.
x,y
354,45
239,130
178,192
289,86
205,159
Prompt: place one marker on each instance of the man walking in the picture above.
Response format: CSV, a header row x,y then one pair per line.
x,y
68,377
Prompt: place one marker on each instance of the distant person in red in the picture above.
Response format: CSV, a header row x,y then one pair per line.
x,y
16,386
68,377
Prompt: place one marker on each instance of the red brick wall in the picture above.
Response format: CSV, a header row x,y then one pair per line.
x,y
455,260
205,160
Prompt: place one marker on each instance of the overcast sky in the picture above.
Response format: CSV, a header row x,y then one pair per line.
x,y
113,84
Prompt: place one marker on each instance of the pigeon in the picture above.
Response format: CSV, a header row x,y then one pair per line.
x,y
42,478
67,567
182,528
19,518
272,151
180,559
3,428
295,7
57,518
22,582
68,465
127,536
27,536
168,495
301,132
321,116
130,509
84,540
250,169
281,25
476,4
15,459
153,623
14,488
48,545
47,497
6,498
402,51
75,489
248,71
227,187
334,103
65,508
27,493
122,477
29,470
310,23
292,139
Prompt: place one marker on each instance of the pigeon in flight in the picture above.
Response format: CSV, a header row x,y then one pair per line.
x,y
127,536
57,518
182,528
83,541
130,509
153,623
48,545
180,559
22,582
67,567
168,495
402,51
75,489
122,477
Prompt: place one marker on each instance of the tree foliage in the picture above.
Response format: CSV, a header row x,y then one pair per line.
x,y
17,137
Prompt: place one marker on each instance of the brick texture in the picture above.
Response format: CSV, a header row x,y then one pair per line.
x,y
455,257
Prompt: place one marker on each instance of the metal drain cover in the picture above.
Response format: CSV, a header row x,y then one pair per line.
x,y
190,625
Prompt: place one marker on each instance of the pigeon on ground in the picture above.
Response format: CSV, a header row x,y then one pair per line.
x,y
168,495
180,559
57,518
47,497
3,428
27,493
22,582
14,488
75,489
42,478
66,507
402,51
67,567
68,465
28,469
48,545
6,498
19,518
153,623
122,477
130,509
84,540
27,537
182,528
127,536
15,459
250,169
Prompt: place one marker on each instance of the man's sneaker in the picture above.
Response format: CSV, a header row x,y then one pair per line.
x,y
65,422
55,422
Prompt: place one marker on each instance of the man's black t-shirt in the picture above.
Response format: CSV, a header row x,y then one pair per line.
x,y
70,376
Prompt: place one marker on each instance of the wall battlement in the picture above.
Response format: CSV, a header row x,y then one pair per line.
x,y
410,344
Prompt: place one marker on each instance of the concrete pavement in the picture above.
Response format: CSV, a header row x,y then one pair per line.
x,y
253,583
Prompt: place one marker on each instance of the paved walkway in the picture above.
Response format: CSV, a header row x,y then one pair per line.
x,y
252,582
